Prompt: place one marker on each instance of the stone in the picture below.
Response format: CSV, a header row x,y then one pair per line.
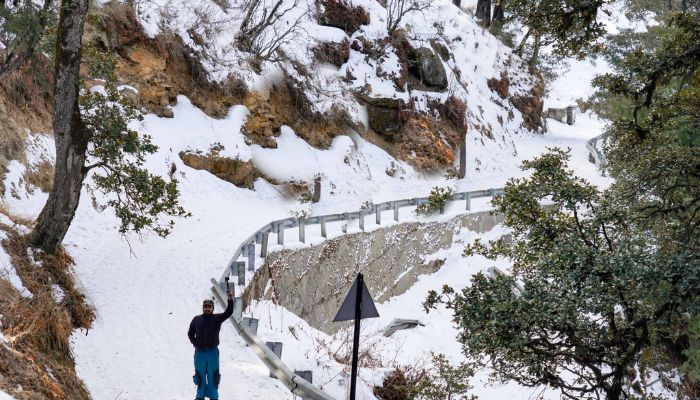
x,y
427,66
240,173
383,114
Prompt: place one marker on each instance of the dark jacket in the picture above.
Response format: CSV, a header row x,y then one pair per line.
x,y
204,329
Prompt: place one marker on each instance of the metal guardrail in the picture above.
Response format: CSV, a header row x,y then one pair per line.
x,y
294,382
596,154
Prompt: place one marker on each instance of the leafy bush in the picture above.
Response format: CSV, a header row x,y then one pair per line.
x,y
436,201
117,155
439,381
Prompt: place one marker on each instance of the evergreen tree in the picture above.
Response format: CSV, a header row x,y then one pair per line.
x,y
605,288
92,137
22,27
593,303
571,26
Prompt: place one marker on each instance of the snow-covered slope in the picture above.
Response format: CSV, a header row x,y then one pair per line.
x,y
147,289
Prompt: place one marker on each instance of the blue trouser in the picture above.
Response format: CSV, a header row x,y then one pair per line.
x,y
206,373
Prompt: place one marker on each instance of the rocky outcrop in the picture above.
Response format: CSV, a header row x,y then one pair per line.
x,y
391,259
427,67
427,144
384,115
160,68
240,173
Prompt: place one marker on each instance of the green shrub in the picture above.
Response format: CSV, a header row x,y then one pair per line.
x,y
436,201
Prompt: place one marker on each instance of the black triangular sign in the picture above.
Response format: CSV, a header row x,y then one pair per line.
x,y
346,312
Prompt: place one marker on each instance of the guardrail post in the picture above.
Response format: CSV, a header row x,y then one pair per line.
x,y
305,375
280,234
276,348
263,245
469,201
345,224
570,116
258,237
251,256
361,218
396,212
244,250
238,308
377,215
240,272
302,230
251,323
323,227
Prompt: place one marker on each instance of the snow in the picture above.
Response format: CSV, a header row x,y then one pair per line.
x,y
146,300
147,289
7,270
5,396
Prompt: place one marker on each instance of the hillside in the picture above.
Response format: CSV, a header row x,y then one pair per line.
x,y
344,102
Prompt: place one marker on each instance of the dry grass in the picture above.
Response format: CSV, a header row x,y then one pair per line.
x,y
40,176
37,363
500,86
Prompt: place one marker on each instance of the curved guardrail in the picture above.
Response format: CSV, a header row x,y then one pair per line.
x,y
593,146
247,250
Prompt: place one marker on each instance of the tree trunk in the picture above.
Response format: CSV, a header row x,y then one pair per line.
x,y
535,52
519,50
316,197
462,159
14,60
483,11
498,12
70,134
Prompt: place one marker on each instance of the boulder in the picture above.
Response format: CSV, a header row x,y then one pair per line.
x,y
427,66
240,173
383,114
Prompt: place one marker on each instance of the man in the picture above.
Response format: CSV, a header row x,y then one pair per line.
x,y
204,336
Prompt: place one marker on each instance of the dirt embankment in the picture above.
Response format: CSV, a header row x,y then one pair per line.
x,y
35,356
25,105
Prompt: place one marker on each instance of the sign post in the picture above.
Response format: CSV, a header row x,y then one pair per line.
x,y
357,305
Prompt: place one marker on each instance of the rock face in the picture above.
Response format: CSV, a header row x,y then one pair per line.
x,y
161,67
426,66
240,173
383,114
391,258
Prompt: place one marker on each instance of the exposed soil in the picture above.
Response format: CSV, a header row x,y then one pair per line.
x,y
160,68
25,105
